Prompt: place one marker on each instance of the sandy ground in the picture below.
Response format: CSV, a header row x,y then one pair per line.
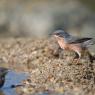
x,y
51,70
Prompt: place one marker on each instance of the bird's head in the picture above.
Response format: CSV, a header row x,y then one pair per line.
x,y
60,33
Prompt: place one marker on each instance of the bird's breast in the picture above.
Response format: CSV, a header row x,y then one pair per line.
x,y
62,44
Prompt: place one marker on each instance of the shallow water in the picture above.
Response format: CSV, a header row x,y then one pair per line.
x,y
12,78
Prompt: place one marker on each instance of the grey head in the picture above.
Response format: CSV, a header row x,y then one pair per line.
x,y
61,33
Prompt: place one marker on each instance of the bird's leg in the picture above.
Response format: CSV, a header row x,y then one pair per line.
x,y
57,51
76,58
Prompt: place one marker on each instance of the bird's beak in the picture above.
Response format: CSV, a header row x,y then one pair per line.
x,y
50,34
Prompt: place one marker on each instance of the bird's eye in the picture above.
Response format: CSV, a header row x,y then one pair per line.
x,y
57,33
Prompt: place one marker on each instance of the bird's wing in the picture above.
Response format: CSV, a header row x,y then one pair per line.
x,y
74,40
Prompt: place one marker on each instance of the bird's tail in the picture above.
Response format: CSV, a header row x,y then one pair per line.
x,y
89,43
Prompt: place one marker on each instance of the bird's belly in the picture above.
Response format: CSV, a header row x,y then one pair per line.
x,y
66,46
75,47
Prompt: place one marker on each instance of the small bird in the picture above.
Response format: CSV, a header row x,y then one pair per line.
x,y
3,72
73,43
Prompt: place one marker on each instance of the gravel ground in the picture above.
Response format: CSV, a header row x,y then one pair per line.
x,y
51,70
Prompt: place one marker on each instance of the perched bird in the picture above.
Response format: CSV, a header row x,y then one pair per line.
x,y
76,44
3,72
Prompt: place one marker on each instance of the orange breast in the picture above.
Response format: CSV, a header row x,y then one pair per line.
x,y
62,43
66,46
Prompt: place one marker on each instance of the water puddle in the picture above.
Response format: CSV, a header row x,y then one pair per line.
x,y
12,78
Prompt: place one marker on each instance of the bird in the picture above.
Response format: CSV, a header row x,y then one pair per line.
x,y
73,43
3,73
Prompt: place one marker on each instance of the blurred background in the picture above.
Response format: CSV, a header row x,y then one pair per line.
x,y
37,18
